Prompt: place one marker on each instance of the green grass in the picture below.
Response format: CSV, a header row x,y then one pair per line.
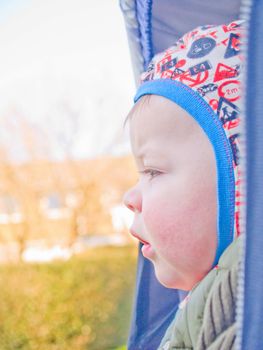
x,y
84,303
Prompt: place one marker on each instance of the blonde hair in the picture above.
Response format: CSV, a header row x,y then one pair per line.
x,y
137,107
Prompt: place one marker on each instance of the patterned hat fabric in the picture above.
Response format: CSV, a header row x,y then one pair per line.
x,y
202,73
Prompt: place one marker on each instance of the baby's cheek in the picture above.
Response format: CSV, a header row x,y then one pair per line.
x,y
177,225
166,223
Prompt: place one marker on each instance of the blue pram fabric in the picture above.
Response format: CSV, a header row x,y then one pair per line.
x,y
152,26
154,308
253,291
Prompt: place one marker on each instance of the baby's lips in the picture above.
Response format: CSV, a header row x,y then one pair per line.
x,y
147,250
135,235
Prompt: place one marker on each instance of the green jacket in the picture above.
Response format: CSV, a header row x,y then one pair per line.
x,y
207,321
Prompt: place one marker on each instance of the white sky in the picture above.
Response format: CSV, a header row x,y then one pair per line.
x,y
54,51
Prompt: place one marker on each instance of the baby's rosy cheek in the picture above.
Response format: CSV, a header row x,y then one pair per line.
x,y
165,224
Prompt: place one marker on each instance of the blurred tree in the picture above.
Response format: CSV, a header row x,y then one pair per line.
x,y
82,192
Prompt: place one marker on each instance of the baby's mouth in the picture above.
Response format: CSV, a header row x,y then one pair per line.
x,y
134,234
147,250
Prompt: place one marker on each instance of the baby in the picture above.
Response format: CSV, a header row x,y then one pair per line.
x,y
184,131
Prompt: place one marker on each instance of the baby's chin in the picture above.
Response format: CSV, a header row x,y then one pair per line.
x,y
175,281
176,284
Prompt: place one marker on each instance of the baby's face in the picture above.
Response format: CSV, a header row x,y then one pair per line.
x,y
174,201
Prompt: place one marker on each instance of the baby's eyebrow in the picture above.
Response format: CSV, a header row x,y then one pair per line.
x,y
138,158
141,153
148,155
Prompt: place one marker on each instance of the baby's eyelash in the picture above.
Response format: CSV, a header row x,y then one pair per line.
x,y
151,172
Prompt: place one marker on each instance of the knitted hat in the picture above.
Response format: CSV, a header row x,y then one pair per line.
x,y
201,73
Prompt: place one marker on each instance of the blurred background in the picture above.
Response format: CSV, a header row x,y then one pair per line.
x,y
67,263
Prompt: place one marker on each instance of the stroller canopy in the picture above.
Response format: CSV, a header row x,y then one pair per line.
x,y
152,26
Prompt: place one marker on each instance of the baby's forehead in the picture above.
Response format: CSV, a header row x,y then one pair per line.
x,y
155,119
154,111
165,137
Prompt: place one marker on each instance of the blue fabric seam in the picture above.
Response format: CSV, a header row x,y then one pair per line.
x,y
149,46
196,106
145,30
139,31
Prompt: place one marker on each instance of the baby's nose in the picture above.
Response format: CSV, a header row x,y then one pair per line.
x,y
132,199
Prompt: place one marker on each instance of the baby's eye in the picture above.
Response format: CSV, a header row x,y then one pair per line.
x,y
150,172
